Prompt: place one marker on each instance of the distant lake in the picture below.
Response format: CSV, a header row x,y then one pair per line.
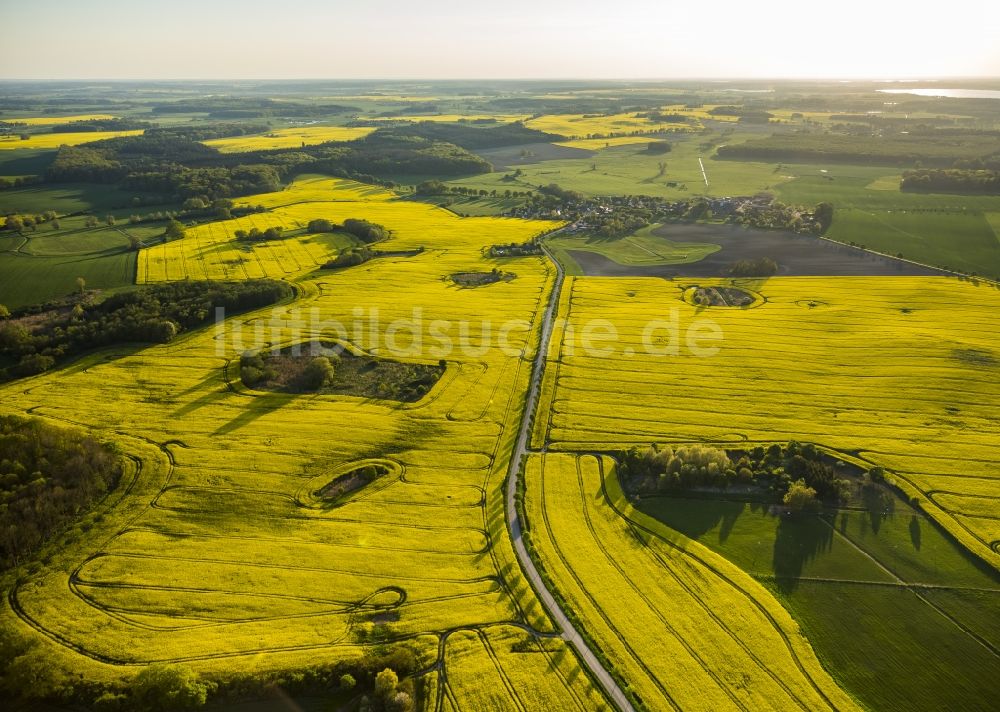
x,y
950,93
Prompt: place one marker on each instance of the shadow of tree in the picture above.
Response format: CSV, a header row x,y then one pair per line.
x,y
798,540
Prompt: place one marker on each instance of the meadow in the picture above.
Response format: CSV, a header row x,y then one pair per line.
x,y
211,553
888,571
640,249
46,264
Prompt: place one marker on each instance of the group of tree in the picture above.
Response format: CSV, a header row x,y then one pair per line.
x,y
757,267
773,470
48,475
661,117
351,258
961,181
255,234
516,249
56,331
112,124
468,135
382,680
436,187
19,223
367,232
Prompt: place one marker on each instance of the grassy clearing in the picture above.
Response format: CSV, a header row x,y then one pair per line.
x,y
806,366
64,198
45,264
30,279
683,628
288,138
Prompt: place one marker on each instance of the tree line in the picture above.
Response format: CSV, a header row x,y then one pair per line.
x,y
775,471
968,182
60,330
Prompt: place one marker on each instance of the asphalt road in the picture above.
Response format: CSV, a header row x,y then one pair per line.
x,y
569,632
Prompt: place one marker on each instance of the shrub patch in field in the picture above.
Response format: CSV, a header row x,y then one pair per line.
x,y
481,279
328,368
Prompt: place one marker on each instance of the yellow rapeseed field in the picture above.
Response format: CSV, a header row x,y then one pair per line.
x,y
582,126
900,370
207,554
211,251
504,668
55,140
53,120
684,627
596,144
288,138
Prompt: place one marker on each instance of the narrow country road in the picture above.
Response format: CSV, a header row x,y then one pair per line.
x,y
703,173
569,633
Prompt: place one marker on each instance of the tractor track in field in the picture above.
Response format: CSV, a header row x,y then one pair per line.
x,y
586,656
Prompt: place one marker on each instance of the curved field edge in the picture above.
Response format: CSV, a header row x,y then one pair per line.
x,y
926,379
719,659
164,402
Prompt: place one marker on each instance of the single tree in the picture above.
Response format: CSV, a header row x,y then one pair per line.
x,y
800,497
175,230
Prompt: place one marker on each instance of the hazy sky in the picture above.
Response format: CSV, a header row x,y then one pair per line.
x,y
178,39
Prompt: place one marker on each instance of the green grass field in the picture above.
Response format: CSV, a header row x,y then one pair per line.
x,y
641,248
935,229
845,578
959,240
46,265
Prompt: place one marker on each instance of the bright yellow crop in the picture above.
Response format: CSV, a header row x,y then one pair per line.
x,y
53,120
55,140
581,126
901,369
685,628
288,138
211,251
209,558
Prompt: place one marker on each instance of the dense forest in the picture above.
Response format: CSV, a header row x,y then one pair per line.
x,y
173,164
968,182
471,137
48,475
35,339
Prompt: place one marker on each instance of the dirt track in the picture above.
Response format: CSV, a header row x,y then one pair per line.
x,y
796,255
